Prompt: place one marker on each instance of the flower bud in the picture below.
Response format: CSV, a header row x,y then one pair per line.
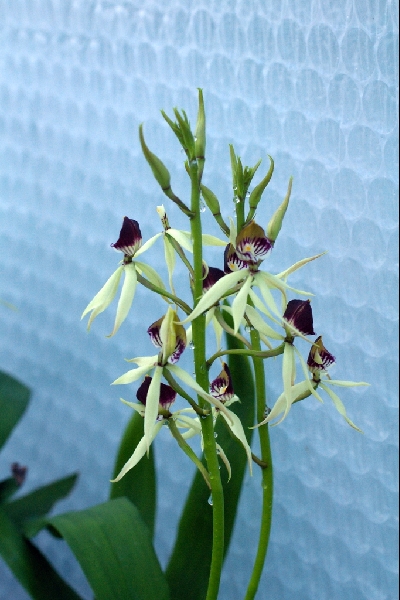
x,y
160,171
200,135
275,224
256,194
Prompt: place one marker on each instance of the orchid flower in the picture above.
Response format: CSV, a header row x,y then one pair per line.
x,y
170,336
318,362
130,243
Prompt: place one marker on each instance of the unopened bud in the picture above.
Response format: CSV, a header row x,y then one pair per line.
x,y
200,133
275,224
160,171
256,194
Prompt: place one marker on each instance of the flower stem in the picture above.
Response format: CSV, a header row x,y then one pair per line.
x,y
207,425
266,473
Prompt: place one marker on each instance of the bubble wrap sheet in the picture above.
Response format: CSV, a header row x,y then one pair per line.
x,y
314,84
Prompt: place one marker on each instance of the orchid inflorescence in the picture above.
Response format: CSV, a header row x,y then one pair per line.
x,y
261,310
241,278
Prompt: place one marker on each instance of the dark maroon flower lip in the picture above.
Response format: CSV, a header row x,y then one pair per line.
x,y
213,275
167,394
130,237
154,332
299,314
222,387
319,359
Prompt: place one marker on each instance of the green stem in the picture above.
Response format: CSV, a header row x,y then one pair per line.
x,y
164,293
207,425
266,474
260,354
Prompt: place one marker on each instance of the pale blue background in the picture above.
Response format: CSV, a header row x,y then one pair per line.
x,y
314,84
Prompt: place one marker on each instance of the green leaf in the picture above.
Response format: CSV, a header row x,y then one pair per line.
x,y
26,510
192,552
30,566
14,398
139,484
8,487
113,546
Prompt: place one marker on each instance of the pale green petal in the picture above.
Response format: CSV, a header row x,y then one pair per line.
x,y
288,375
126,297
345,383
282,285
170,260
262,327
183,238
152,402
104,297
147,245
225,460
307,376
189,381
188,423
339,406
262,282
280,405
240,302
232,232
218,332
236,427
298,265
133,374
215,293
151,274
139,452
137,406
211,240
141,361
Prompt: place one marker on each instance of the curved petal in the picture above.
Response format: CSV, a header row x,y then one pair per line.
x,y
235,425
339,406
148,244
134,374
104,297
151,274
139,452
152,401
240,302
126,297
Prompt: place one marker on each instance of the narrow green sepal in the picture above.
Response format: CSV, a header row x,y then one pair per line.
x,y
275,224
256,194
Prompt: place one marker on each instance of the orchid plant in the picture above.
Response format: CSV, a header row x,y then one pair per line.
x,y
261,311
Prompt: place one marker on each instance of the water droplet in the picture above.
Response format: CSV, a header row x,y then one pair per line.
x,y
267,411
210,500
248,195
202,206
191,345
215,435
237,201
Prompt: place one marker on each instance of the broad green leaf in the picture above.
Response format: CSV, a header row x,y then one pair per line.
x,y
192,552
139,484
8,487
113,546
26,510
14,398
29,566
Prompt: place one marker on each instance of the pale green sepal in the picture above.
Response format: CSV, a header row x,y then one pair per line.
x,y
288,375
225,460
126,297
148,244
133,375
170,260
104,297
281,285
151,274
307,376
141,361
262,327
284,274
280,405
217,329
212,240
186,378
346,383
215,293
235,425
262,284
152,402
137,406
139,452
232,232
339,406
240,302
183,238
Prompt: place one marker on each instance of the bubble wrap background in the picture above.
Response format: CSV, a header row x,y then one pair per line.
x,y
314,84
